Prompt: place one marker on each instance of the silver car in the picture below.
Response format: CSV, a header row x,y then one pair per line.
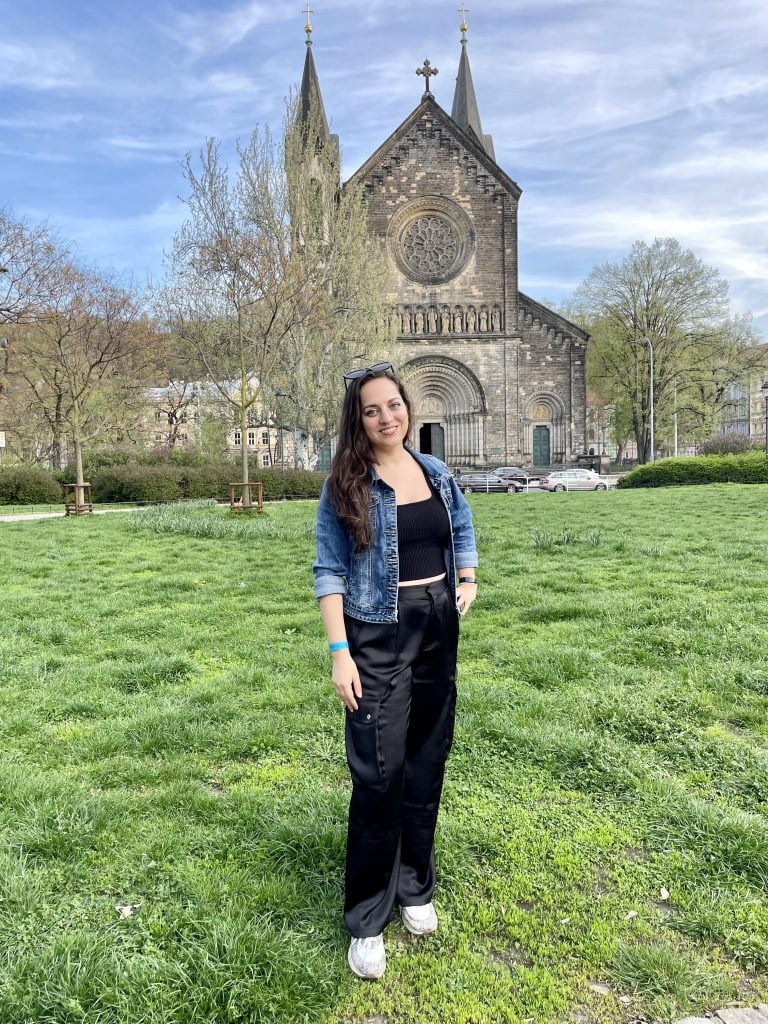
x,y
573,480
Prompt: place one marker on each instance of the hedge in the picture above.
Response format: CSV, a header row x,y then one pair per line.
x,y
751,468
29,485
170,482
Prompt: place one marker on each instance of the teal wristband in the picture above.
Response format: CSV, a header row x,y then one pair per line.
x,y
339,645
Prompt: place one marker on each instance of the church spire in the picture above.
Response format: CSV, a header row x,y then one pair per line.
x,y
465,110
310,97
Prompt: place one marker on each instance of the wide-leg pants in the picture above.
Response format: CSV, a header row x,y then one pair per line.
x,y
397,745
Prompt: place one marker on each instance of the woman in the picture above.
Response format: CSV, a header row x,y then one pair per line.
x,y
393,530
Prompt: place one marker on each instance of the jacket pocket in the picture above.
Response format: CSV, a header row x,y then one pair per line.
x,y
363,745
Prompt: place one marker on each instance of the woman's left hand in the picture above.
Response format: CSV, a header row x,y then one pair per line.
x,y
465,595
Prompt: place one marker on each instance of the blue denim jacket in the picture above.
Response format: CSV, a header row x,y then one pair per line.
x,y
368,579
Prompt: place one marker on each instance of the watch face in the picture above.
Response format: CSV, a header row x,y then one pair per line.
x,y
431,239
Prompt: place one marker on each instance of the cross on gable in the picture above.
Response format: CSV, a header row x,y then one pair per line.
x,y
427,71
308,11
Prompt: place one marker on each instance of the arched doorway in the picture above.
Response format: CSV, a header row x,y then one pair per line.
x,y
541,446
432,440
545,430
450,409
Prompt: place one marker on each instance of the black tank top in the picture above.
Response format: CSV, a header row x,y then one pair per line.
x,y
423,534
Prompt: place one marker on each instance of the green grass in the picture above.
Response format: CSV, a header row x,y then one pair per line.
x,y
173,787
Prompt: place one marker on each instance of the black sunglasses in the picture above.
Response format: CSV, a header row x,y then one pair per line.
x,y
357,374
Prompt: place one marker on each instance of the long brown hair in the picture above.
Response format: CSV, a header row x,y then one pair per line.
x,y
349,479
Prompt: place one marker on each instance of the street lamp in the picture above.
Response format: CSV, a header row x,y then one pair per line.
x,y
764,391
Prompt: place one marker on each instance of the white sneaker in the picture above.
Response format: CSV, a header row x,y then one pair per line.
x,y
420,920
367,957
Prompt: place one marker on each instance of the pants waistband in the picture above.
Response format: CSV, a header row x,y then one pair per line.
x,y
421,590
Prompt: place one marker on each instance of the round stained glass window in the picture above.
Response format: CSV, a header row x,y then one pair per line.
x,y
431,239
430,245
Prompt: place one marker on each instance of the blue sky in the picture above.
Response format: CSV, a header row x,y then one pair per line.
x,y
620,121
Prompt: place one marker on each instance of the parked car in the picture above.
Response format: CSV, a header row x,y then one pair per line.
x,y
573,480
480,483
515,473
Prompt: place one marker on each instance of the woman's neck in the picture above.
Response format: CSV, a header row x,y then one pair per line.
x,y
392,459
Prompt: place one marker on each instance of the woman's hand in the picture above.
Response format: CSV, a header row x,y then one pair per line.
x,y
346,679
465,595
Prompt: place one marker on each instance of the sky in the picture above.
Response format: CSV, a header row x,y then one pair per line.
x,y
620,120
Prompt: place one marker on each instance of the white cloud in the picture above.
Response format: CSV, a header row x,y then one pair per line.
x,y
43,66
206,33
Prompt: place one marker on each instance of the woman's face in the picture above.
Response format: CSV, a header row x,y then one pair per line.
x,y
385,417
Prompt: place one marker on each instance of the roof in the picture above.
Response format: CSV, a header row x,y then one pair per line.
x,y
467,138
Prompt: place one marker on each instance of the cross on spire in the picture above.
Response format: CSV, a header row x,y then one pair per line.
x,y
308,29
463,11
427,71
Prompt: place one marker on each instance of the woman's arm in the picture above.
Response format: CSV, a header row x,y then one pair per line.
x,y
344,675
465,549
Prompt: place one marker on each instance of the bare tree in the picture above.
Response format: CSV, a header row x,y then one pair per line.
x,y
80,362
31,258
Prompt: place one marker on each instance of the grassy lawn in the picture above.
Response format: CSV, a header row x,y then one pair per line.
x,y
173,787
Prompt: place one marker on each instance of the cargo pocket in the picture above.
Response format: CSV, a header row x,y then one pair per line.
x,y
363,747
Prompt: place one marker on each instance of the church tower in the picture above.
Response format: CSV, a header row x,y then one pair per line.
x,y
496,378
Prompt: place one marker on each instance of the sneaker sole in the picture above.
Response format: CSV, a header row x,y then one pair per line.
x,y
359,974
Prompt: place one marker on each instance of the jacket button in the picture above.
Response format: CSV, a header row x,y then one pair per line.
x,y
368,718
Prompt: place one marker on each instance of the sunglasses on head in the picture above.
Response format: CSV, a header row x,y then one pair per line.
x,y
357,374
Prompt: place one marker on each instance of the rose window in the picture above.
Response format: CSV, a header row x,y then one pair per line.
x,y
430,246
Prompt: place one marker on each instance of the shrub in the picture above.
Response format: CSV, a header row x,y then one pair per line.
x,y
168,482
727,444
137,483
28,485
751,468
208,481
294,483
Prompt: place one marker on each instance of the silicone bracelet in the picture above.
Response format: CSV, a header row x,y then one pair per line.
x,y
339,645
465,579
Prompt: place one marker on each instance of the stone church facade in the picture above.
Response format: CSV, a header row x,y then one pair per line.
x,y
496,378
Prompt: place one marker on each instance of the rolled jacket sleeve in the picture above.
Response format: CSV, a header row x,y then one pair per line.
x,y
464,546
331,563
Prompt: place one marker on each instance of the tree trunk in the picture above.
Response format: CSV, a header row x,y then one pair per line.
x,y
244,454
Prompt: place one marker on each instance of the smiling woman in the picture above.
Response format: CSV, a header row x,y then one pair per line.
x,y
392,531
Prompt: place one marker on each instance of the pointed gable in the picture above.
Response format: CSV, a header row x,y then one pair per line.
x,y
394,148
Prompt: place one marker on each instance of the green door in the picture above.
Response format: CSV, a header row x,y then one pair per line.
x,y
541,446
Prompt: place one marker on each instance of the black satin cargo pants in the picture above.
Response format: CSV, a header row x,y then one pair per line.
x,y
397,745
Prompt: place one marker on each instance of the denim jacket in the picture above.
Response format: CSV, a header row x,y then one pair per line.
x,y
368,579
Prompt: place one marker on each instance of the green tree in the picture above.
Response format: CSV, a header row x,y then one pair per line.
x,y
269,275
664,293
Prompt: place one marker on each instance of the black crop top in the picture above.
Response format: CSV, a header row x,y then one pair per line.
x,y
423,534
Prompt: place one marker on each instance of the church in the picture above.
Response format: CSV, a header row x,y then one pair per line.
x,y
496,378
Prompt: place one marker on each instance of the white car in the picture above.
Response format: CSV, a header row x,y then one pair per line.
x,y
573,480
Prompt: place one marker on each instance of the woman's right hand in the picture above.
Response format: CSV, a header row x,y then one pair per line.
x,y
346,679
